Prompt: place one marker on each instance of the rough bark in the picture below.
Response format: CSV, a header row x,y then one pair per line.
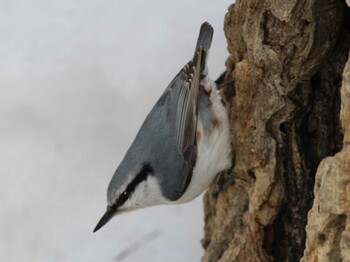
x,y
286,62
328,228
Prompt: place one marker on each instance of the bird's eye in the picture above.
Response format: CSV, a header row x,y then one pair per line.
x,y
124,196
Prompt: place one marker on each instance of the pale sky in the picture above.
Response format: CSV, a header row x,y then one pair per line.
x,y
77,78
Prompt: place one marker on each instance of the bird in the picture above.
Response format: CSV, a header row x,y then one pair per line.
x,y
182,145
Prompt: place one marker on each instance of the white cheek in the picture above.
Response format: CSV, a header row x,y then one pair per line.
x,y
146,194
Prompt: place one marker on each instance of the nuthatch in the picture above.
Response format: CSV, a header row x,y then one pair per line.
x,y
181,146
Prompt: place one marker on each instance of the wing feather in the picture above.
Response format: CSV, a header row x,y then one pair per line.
x,y
184,92
186,97
179,101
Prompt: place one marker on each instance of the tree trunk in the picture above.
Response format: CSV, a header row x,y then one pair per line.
x,y
290,121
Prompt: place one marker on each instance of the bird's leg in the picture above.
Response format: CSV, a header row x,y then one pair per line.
x,y
222,83
225,84
222,180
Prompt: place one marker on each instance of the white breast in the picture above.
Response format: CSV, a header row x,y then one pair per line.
x,y
214,151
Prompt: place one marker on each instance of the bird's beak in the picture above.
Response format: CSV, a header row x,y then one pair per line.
x,y
106,217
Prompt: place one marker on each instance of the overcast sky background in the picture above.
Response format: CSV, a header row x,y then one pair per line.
x,y
77,78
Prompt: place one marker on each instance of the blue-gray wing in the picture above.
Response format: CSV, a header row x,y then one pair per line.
x,y
178,107
181,107
167,138
184,91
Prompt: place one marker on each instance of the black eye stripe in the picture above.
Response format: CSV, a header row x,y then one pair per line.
x,y
141,176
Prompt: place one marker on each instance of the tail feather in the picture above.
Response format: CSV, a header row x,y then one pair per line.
x,y
205,36
200,64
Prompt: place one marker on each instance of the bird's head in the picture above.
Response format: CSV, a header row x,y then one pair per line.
x,y
131,190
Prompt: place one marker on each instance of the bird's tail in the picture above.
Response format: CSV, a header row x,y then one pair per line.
x,y
199,62
205,36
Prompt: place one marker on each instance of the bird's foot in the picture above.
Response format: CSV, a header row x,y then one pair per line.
x,y
222,181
